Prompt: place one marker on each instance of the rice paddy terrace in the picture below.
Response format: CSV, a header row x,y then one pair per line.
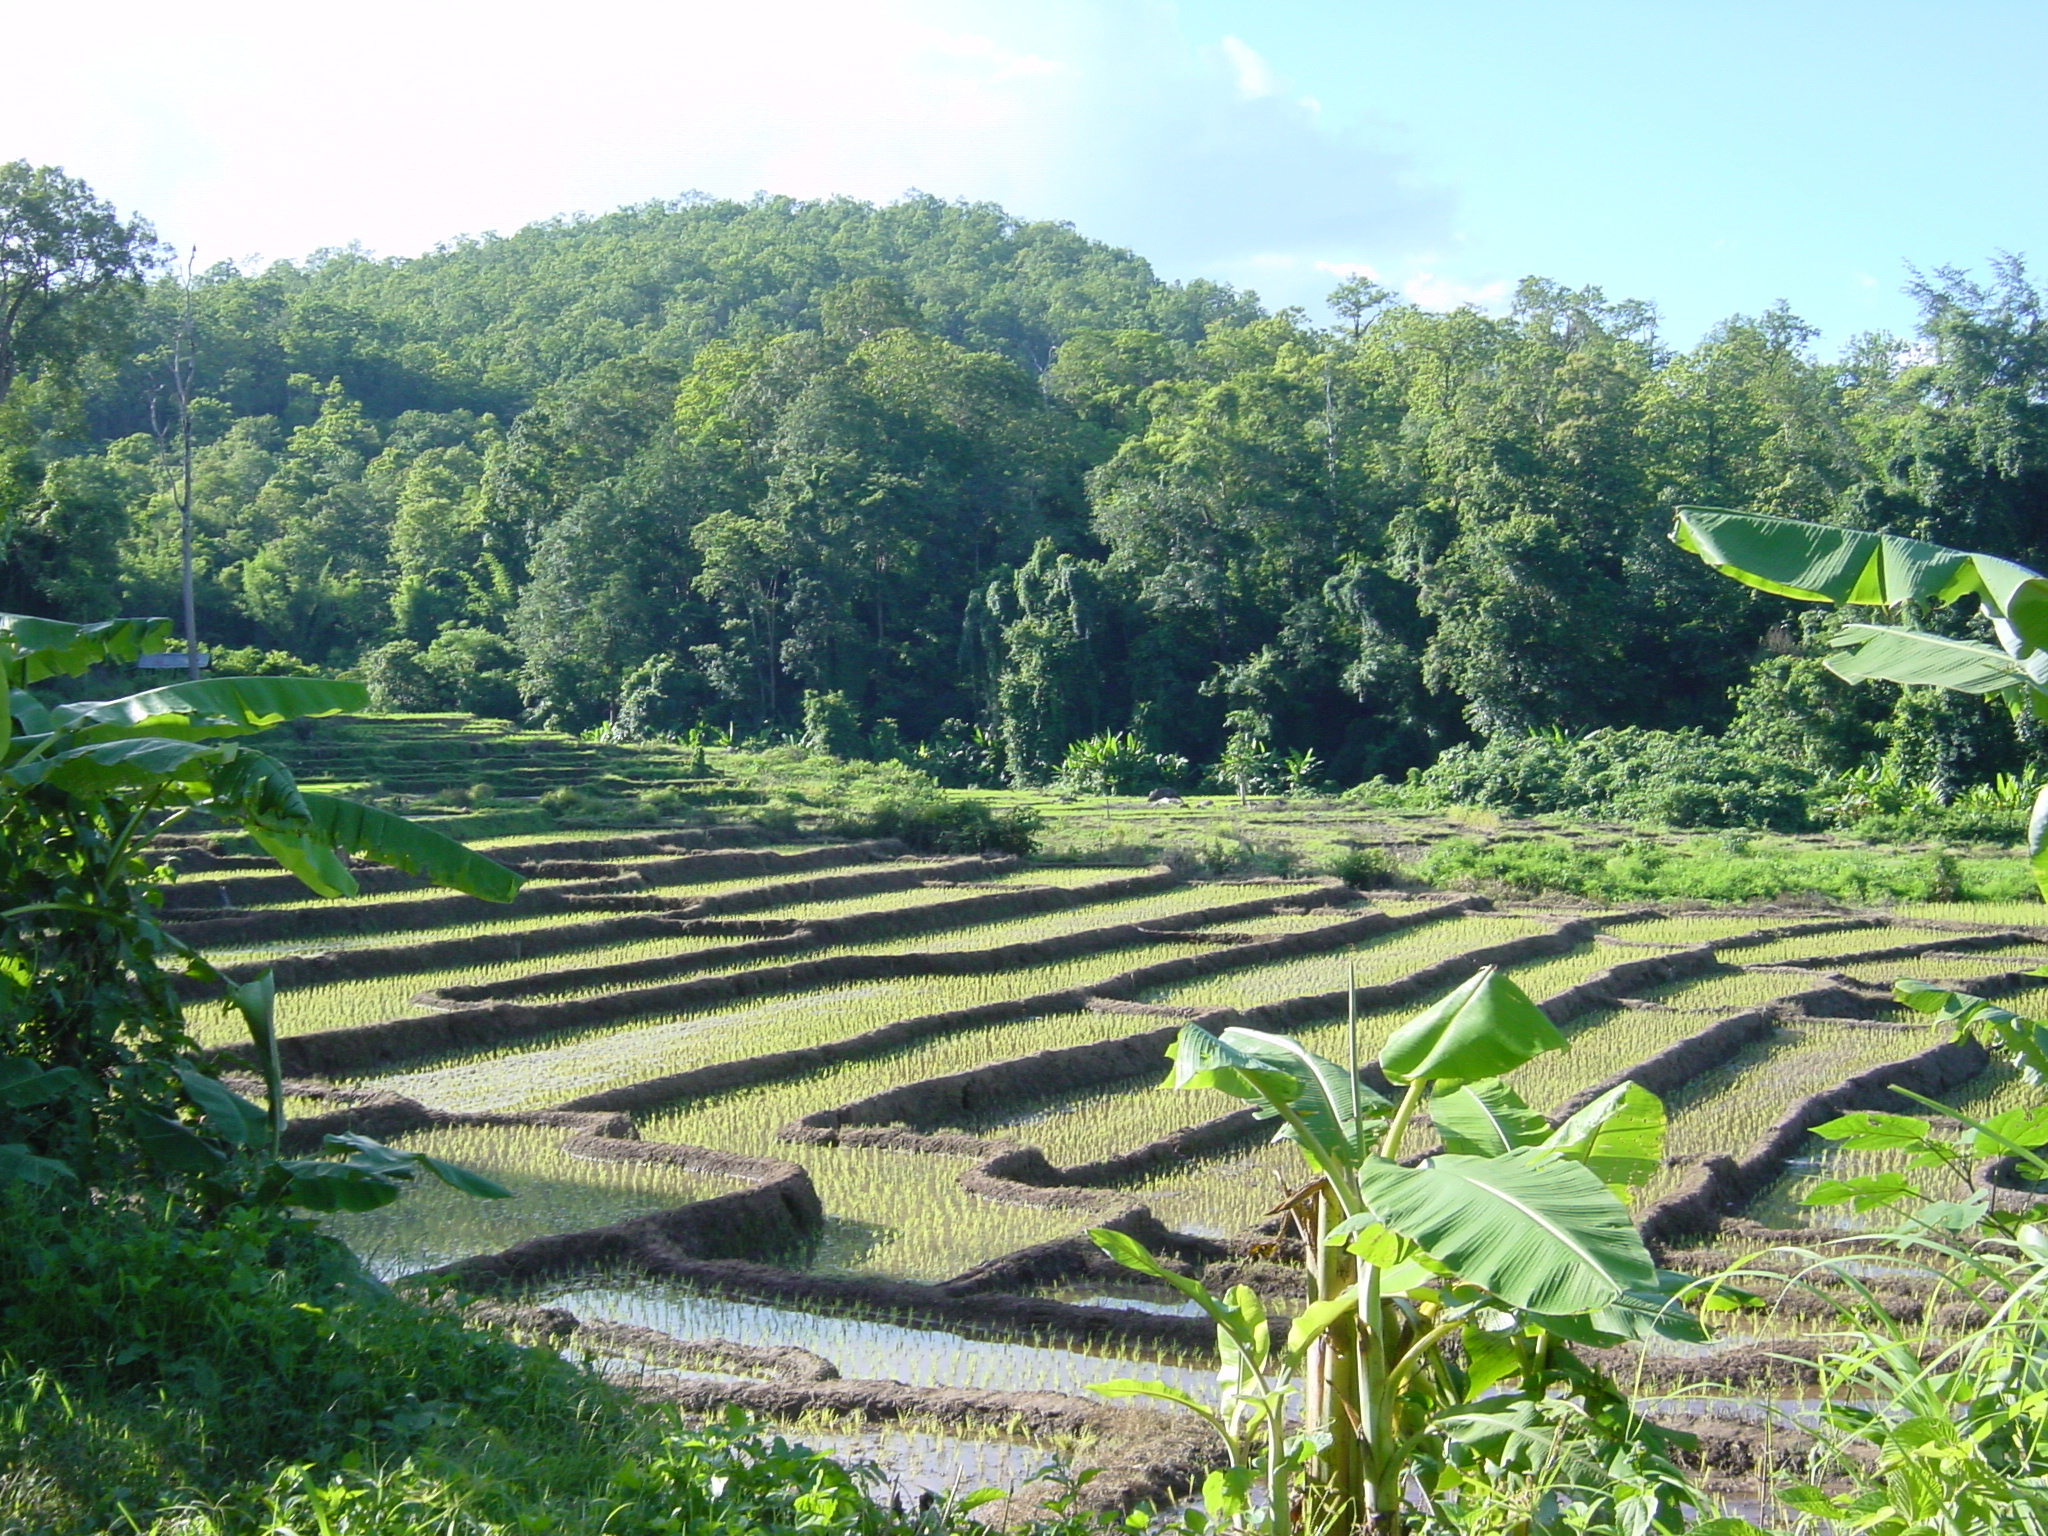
x,y
818,1128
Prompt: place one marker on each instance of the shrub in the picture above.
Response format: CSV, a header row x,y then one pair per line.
x,y
832,726
254,661
1365,868
464,669
1707,870
1118,764
939,823
962,756
1680,778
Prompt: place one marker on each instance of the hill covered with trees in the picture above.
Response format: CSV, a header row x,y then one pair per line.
x,y
942,471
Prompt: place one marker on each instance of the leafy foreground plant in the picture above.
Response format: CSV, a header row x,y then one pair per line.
x,y
100,1088
1909,576
1937,1429
1431,1382
243,1379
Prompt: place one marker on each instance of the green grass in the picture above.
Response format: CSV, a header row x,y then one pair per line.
x,y
346,1004
232,1380
551,1192
538,1076
1379,958
2018,913
1045,925
1727,1109
1819,945
1708,869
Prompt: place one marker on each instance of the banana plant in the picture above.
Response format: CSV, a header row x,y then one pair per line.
x,y
1444,1291
96,1076
1825,564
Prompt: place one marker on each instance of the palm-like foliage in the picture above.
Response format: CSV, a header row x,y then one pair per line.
x,y
1507,1241
96,1079
1881,570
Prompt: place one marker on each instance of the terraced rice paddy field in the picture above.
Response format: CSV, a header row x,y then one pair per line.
x,y
783,1094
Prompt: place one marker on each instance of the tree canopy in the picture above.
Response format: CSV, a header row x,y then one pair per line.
x,y
965,471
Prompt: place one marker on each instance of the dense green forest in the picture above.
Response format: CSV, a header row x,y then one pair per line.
x,y
987,486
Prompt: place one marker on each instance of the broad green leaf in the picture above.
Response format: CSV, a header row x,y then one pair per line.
x,y
1486,1027
2023,1127
1620,1135
1874,1130
172,1146
457,1177
1865,1192
1653,1312
1543,1234
1965,1215
322,1186
1227,1494
1401,1264
392,840
1317,1318
225,1112
1914,658
1490,1357
1333,1107
371,1155
2022,1041
2037,842
319,868
1200,1060
28,712
1846,565
50,647
257,790
1485,1119
25,1082
1327,1112
256,1001
1512,1431
109,767
217,706
18,1165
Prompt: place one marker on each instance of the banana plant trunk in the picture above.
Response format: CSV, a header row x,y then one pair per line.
x,y
1333,1497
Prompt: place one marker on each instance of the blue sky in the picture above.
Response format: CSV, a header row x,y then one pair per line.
x,y
1710,157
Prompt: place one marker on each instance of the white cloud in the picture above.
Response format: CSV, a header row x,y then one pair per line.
x,y
1434,291
1255,76
256,127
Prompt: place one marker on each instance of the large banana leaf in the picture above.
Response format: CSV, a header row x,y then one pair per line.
x,y
41,648
218,706
256,789
2037,840
1487,1027
1620,1135
1485,1119
112,767
1539,1232
1868,652
389,839
1326,1110
1846,565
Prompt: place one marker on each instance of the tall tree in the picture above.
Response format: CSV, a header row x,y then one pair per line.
x,y
63,253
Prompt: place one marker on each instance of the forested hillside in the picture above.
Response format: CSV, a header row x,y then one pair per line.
x,y
694,461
